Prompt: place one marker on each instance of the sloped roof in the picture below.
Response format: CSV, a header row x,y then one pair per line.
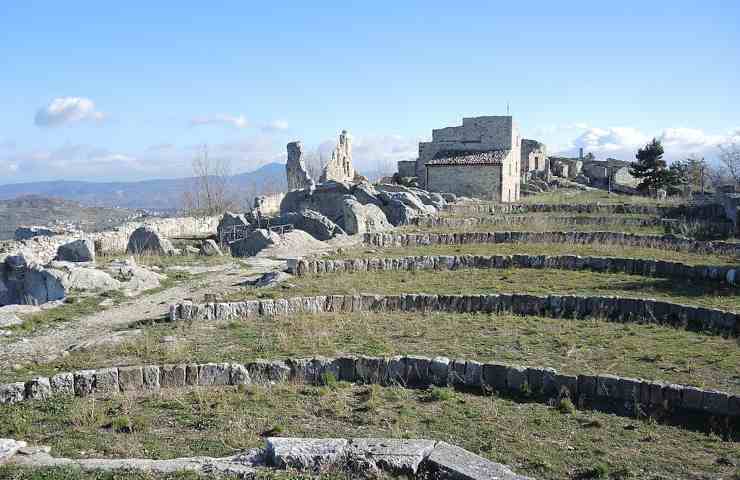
x,y
490,157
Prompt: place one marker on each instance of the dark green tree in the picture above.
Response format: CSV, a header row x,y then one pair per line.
x,y
650,168
678,180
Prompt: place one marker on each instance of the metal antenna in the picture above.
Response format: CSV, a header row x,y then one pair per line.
x,y
507,108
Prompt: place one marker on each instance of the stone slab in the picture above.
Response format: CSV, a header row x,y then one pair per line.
x,y
451,462
304,453
400,457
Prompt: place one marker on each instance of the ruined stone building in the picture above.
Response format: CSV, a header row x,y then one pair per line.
x,y
534,158
295,169
339,168
479,159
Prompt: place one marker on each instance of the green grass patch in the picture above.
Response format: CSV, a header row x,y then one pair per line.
x,y
533,281
532,438
572,346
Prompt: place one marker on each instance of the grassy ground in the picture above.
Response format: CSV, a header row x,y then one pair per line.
x,y
571,346
540,249
531,437
534,281
164,261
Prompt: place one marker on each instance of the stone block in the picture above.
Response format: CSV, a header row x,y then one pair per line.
x,y
473,374
262,371
396,371
63,384
439,369
305,454
191,374
38,388
417,371
516,380
172,376
213,374
151,377
629,389
655,393
692,398
345,366
371,369
238,374
131,378
12,392
106,380
716,403
733,405
456,373
454,463
84,382
396,456
587,386
536,379
494,376
672,395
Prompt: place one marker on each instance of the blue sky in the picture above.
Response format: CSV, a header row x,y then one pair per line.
x,y
128,90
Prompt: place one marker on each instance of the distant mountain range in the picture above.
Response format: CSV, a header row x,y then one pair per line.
x,y
161,194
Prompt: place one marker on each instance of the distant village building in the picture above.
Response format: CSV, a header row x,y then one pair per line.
x,y
609,172
480,159
534,158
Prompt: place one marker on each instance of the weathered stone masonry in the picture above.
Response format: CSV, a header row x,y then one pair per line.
x,y
663,242
633,266
616,309
605,392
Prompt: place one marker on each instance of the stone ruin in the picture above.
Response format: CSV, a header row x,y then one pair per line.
x,y
340,168
295,169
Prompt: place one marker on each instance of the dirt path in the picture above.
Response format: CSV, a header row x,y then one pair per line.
x,y
108,325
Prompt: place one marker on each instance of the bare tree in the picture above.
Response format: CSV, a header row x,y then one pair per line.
x,y
315,161
729,157
210,193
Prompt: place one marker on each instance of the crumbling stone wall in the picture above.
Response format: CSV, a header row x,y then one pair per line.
x,y
666,242
632,266
620,395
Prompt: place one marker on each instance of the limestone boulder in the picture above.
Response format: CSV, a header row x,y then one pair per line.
x,y
254,242
326,199
359,219
366,193
210,248
82,250
312,222
146,241
133,278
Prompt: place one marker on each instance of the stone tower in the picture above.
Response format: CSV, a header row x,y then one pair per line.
x,y
340,168
295,169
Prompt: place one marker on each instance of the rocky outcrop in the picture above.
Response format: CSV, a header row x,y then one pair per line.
x,y
147,241
360,218
310,221
82,250
295,169
326,198
134,279
339,168
254,242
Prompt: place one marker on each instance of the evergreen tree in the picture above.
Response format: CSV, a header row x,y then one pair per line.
x,y
650,168
678,180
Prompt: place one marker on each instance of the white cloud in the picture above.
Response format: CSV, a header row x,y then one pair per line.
x,y
275,126
236,121
67,110
623,142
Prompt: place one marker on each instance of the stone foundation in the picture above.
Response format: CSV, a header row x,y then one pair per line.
x,y
632,266
663,242
620,395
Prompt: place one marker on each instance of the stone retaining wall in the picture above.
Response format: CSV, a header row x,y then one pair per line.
x,y
616,309
633,266
528,219
663,242
624,396
562,208
115,241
